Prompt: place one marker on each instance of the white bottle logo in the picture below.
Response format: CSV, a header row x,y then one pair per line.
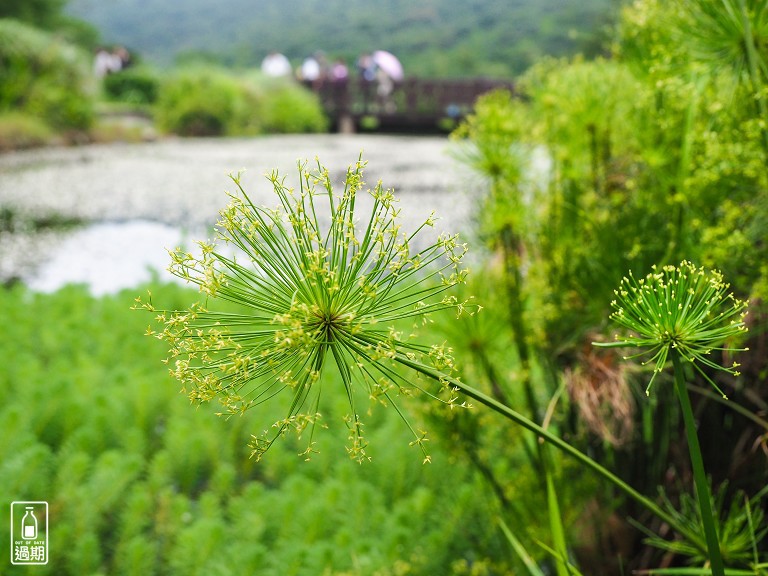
x,y
29,525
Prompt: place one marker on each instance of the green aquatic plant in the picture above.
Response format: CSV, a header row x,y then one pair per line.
x,y
741,526
680,310
308,293
313,288
683,313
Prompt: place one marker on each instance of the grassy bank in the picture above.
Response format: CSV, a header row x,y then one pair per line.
x,y
140,483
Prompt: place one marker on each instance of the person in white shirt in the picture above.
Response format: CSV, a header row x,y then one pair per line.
x,y
276,64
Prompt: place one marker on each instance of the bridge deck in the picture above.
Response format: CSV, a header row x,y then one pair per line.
x,y
414,104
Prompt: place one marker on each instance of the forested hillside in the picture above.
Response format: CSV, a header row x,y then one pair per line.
x,y
432,37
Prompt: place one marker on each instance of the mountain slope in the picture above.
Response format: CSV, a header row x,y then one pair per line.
x,y
432,37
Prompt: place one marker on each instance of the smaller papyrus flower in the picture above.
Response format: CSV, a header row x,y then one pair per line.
x,y
678,309
322,282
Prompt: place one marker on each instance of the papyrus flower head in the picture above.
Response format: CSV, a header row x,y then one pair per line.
x,y
684,309
320,283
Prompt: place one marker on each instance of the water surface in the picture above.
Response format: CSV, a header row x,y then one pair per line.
x,y
138,200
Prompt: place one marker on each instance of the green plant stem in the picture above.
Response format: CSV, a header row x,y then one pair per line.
x,y
683,171
754,73
522,553
556,441
555,517
699,475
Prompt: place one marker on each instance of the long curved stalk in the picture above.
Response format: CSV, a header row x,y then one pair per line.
x,y
557,442
699,475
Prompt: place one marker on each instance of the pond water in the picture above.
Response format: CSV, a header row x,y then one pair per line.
x,y
134,202
107,256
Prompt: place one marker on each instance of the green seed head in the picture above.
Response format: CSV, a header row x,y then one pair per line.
x,y
318,281
682,308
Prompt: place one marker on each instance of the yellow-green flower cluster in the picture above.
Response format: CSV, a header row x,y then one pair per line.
x,y
678,309
317,281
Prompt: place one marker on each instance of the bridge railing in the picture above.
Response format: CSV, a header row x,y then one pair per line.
x,y
414,103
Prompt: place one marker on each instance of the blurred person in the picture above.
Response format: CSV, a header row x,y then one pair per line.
x,y
124,56
106,62
313,70
276,65
366,67
384,87
339,71
389,71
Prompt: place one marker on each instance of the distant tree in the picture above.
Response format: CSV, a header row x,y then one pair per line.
x,y
41,13
50,15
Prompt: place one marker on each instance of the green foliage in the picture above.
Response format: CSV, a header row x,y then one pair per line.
x,y
587,111
288,108
18,131
139,483
728,36
43,76
497,124
207,101
741,525
36,12
134,85
707,69
652,157
49,15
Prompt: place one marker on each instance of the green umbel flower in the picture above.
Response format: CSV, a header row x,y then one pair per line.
x,y
314,289
678,308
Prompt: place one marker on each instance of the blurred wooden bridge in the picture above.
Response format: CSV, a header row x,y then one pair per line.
x,y
412,105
